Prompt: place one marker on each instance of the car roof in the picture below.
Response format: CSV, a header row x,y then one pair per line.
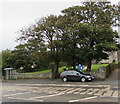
x,y
70,71
75,71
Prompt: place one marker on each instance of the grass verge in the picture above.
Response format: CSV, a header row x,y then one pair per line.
x,y
93,68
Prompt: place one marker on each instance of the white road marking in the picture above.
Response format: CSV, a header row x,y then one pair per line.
x,y
66,91
23,99
85,92
83,99
100,92
75,93
115,94
108,93
13,98
44,96
52,90
16,94
64,85
93,91
81,89
71,91
49,92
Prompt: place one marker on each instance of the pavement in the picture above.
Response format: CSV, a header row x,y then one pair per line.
x,y
48,90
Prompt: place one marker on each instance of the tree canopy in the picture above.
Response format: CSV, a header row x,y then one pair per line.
x,y
81,34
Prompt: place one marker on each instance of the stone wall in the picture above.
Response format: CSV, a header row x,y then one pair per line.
x,y
99,74
34,75
103,72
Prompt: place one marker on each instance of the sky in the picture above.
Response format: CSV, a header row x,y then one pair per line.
x,y
16,14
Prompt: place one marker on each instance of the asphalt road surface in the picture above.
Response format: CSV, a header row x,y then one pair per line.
x,y
46,90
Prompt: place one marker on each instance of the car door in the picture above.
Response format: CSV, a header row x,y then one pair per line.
x,y
69,75
75,76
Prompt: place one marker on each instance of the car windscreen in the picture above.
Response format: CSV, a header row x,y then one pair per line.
x,y
82,72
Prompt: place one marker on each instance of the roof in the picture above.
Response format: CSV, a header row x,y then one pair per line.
x,y
8,69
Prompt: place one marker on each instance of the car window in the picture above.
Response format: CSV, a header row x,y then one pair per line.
x,y
77,73
82,72
74,73
69,72
64,72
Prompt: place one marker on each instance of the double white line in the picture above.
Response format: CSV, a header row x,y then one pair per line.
x,y
83,99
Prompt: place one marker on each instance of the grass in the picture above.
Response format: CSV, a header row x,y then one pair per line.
x,y
93,68
43,71
97,66
48,70
61,68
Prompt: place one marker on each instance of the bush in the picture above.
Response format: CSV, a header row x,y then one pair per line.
x,y
51,66
20,71
61,64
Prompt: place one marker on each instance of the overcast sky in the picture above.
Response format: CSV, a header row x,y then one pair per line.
x,y
16,15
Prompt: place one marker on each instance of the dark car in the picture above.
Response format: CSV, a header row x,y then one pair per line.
x,y
73,75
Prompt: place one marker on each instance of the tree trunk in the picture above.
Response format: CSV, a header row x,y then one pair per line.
x,y
55,73
73,63
74,67
89,65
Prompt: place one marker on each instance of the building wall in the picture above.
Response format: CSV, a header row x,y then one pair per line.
x,y
112,56
118,53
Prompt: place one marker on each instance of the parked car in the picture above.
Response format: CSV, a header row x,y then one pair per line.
x,y
73,75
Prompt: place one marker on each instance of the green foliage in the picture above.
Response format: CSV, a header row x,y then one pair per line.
x,y
6,55
97,66
81,34
50,31
29,57
21,58
90,27
44,71
94,67
5,62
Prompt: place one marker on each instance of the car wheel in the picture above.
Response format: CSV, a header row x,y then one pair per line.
x,y
64,79
83,79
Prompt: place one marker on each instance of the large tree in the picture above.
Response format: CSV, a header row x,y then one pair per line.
x,y
5,56
92,24
81,34
47,31
21,59
5,62
30,56
52,36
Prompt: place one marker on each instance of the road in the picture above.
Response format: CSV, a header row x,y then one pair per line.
x,y
47,90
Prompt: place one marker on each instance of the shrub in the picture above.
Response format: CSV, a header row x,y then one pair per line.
x,y
51,66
